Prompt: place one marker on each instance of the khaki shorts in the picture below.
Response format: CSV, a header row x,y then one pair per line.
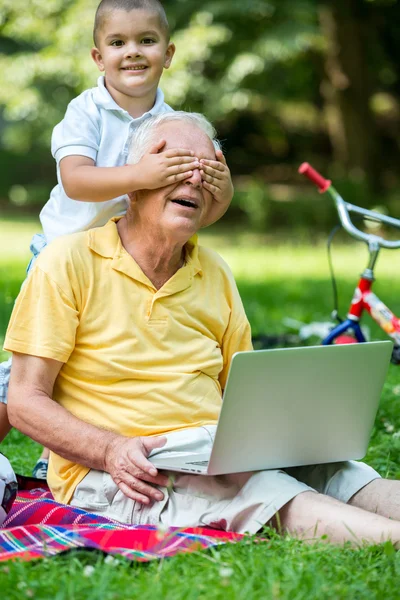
x,y
240,502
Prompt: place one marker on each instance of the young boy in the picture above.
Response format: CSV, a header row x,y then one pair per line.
x,y
90,145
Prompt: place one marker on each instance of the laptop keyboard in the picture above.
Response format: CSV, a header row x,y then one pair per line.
x,y
201,463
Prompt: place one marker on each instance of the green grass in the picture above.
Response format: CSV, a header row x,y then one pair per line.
x,y
249,570
275,281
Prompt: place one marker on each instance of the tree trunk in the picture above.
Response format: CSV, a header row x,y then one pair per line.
x,y
347,89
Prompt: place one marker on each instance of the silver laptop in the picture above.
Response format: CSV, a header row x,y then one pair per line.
x,y
293,406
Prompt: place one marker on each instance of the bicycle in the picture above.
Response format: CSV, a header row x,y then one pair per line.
x,y
363,299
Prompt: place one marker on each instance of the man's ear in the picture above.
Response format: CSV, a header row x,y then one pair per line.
x,y
169,53
98,59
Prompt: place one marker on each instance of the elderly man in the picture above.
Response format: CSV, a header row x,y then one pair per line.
x,y
122,339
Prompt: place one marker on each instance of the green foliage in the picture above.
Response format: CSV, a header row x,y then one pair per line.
x,y
227,58
256,68
50,67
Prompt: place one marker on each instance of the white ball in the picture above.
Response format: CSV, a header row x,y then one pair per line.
x,y
8,488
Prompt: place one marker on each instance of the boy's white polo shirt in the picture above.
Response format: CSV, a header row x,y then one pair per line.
x,y
97,127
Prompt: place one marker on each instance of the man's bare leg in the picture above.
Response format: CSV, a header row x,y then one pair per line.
x,y
4,423
381,496
309,516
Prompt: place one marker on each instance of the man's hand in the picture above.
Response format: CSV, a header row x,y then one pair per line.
x,y
157,169
217,180
126,462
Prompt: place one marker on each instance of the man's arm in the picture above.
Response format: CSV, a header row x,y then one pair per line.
x,y
32,410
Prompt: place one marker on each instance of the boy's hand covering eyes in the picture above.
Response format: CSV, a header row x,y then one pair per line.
x,y
158,169
217,180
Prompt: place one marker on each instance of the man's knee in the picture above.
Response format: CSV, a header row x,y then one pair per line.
x,y
291,513
381,496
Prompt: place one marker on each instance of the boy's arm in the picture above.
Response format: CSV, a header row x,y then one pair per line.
x,y
83,181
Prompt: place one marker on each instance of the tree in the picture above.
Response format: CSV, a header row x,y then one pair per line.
x,y
280,79
352,79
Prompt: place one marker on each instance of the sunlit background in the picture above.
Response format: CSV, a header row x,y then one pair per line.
x,y
283,81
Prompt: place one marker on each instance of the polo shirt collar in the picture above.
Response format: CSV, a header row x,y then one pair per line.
x,y
183,278
103,99
106,242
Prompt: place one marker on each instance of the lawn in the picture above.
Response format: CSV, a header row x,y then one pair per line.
x,y
276,280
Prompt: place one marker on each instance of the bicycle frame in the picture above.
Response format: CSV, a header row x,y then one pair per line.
x,y
363,299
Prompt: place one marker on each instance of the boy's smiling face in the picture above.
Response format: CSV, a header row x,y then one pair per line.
x,y
132,51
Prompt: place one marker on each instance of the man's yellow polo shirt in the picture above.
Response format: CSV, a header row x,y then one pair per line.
x,y
137,361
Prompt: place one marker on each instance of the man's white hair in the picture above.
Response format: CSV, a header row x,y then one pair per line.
x,y
146,134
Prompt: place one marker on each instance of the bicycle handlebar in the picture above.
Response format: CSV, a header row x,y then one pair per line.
x,y
313,175
344,208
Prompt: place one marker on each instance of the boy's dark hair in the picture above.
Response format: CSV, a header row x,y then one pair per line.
x,y
107,6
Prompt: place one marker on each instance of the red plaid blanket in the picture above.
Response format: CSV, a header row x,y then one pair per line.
x,y
39,527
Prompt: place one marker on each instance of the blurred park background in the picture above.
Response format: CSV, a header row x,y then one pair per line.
x,y
283,81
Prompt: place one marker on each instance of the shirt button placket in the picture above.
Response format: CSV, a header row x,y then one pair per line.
x,y
149,308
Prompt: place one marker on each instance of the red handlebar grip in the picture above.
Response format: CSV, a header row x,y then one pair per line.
x,y
313,175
